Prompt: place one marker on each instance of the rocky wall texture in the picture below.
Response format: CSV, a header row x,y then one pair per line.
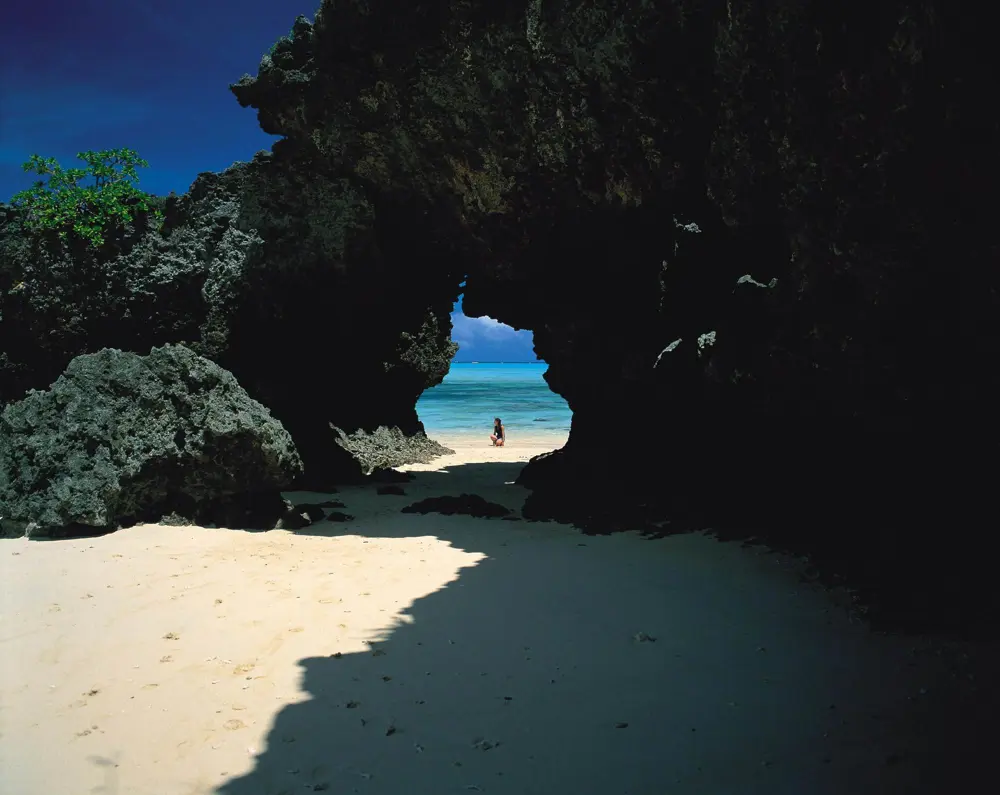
x,y
121,438
268,269
759,232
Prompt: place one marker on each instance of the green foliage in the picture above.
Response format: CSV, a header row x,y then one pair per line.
x,y
89,212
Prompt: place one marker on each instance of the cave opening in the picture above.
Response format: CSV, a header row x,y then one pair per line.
x,y
495,373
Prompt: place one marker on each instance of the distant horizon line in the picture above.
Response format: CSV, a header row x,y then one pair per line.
x,y
498,361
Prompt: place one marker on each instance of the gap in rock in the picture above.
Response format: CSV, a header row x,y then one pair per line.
x,y
495,373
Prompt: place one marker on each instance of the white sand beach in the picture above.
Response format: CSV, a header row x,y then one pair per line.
x,y
425,654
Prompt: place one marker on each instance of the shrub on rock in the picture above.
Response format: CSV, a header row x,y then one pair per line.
x,y
121,438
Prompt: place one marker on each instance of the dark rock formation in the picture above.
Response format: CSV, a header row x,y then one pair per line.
x,y
148,288
753,241
122,438
465,504
272,269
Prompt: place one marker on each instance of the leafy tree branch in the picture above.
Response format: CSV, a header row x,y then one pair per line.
x,y
70,206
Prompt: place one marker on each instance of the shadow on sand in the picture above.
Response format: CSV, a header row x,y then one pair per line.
x,y
562,663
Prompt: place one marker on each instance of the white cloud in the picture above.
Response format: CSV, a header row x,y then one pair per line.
x,y
490,339
483,327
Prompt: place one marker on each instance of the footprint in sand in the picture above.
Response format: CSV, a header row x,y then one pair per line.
x,y
150,686
233,724
166,658
244,668
171,636
296,629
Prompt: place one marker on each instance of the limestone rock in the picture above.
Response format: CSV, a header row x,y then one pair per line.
x,y
385,448
247,264
121,438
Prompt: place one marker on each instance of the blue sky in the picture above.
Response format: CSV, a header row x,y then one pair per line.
x,y
102,74
483,339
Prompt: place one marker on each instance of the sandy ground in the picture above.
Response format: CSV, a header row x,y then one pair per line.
x,y
412,654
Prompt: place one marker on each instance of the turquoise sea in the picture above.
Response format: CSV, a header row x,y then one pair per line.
x,y
471,395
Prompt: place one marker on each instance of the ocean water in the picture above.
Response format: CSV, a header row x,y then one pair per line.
x,y
471,395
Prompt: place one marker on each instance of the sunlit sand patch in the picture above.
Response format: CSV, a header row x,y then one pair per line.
x,y
177,721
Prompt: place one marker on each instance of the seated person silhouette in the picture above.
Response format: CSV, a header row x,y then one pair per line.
x,y
499,435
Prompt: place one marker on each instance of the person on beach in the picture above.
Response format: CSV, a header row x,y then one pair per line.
x,y
499,435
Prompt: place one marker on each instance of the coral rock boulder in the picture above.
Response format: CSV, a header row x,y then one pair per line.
x,y
121,438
